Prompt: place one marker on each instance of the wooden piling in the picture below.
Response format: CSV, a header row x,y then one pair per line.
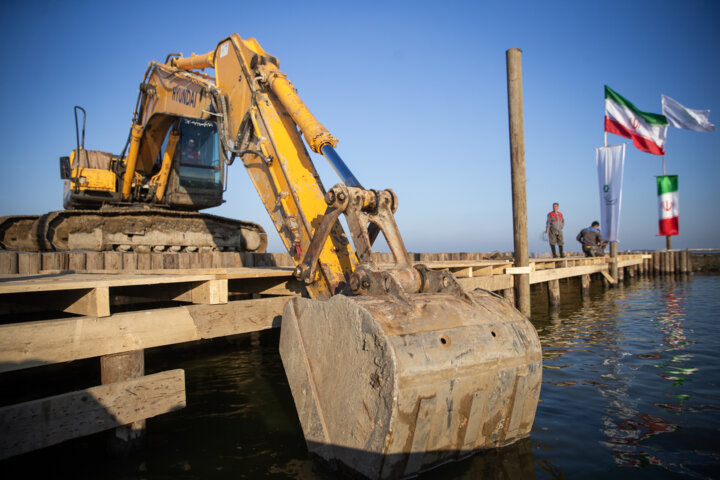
x,y
585,285
517,172
117,368
553,291
613,260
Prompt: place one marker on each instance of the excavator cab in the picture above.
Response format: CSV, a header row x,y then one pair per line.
x,y
199,166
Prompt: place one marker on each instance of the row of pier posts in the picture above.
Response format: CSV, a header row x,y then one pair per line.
x,y
660,264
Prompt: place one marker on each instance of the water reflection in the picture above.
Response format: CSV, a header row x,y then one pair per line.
x,y
623,362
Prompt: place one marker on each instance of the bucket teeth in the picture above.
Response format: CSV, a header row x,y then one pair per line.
x,y
389,391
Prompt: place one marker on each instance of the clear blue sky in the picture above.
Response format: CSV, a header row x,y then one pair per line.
x,y
415,91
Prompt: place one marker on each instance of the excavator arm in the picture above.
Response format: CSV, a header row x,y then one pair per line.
x,y
393,369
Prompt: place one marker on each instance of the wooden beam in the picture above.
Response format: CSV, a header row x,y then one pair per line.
x,y
607,277
40,423
30,344
558,273
492,283
84,301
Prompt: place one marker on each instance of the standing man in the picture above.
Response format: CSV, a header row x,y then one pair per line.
x,y
591,240
553,227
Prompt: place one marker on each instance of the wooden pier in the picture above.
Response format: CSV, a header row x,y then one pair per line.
x,y
57,308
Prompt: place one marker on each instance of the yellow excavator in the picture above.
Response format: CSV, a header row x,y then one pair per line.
x,y
394,369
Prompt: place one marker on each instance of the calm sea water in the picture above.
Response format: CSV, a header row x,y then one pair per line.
x,y
630,390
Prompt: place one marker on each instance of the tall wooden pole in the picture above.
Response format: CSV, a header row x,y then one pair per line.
x,y
613,261
517,171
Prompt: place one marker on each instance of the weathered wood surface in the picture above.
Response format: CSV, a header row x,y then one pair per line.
x,y
94,280
29,344
40,423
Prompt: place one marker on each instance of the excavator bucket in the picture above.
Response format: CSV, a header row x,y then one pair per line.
x,y
387,387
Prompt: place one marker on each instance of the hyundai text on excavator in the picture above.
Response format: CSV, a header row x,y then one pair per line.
x,y
393,369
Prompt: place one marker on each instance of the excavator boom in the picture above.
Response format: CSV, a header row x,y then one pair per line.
x,y
393,369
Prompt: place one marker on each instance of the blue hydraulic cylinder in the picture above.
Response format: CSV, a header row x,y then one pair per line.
x,y
340,168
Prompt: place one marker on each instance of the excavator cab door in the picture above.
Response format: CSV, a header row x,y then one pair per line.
x,y
199,167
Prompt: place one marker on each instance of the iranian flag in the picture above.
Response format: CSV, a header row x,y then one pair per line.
x,y
668,210
647,130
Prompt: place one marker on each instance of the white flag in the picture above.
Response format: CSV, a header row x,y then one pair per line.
x,y
687,118
610,162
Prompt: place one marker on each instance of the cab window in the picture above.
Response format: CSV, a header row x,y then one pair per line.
x,y
199,156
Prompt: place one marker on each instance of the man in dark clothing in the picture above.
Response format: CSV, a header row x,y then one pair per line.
x,y
553,227
591,240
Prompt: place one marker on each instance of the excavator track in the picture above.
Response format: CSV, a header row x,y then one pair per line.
x,y
140,230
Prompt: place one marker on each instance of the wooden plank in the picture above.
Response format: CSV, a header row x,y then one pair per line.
x,y
40,423
626,262
28,263
115,279
558,273
492,283
608,277
8,263
183,260
51,261
94,260
30,344
466,272
483,271
113,260
266,286
77,261
170,262
156,261
129,261
143,261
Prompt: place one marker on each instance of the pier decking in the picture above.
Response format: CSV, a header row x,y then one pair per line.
x,y
56,314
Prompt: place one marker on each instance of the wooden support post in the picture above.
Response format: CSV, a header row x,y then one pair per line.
x,y
553,290
509,294
613,260
585,285
684,261
656,263
118,368
517,171
211,292
93,302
